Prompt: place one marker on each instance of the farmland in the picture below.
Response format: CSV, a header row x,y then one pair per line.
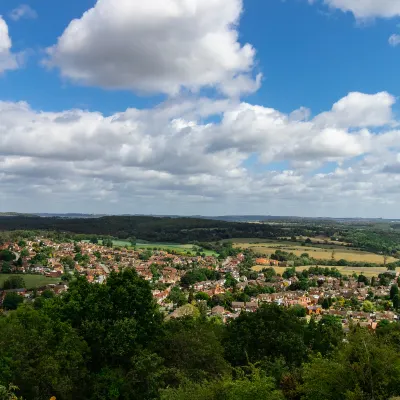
x,y
320,251
368,272
31,281
179,248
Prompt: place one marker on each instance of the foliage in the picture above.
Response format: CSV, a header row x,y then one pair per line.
x,y
254,386
12,300
269,333
199,275
43,357
14,282
177,297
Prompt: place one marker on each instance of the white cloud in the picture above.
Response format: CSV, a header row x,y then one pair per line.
x,y
23,11
158,46
360,110
167,160
8,61
365,9
394,40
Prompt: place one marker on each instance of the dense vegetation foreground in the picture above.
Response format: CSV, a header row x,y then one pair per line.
x,y
110,341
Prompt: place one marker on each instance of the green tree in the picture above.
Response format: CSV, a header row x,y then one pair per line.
x,y
200,355
271,331
324,336
254,386
14,282
7,255
117,319
24,253
68,262
202,296
8,393
368,306
393,291
12,300
43,357
396,301
366,365
177,296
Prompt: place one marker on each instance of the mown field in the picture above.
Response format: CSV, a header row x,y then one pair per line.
x,y
31,281
369,272
180,248
321,252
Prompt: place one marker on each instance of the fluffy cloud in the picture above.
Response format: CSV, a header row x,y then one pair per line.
x,y
160,46
8,61
360,110
23,11
394,40
364,9
168,160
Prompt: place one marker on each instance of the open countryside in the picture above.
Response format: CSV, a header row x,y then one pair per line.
x,y
367,271
177,247
321,252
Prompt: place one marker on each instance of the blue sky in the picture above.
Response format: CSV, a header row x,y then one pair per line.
x,y
202,134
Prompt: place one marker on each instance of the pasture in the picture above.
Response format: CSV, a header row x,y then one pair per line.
x,y
319,252
180,248
31,281
368,272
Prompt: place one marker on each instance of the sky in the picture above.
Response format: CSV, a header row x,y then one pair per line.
x,y
210,107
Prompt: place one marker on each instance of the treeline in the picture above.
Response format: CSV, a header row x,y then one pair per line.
x,y
159,229
306,259
111,342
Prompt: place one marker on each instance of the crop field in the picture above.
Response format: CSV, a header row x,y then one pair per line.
x,y
369,272
31,281
320,252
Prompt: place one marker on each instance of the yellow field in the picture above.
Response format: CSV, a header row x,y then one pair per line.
x,y
369,272
320,253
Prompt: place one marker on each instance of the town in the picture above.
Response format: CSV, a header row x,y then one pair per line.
x,y
218,285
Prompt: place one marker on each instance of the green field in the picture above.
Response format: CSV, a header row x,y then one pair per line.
x,y
180,248
31,281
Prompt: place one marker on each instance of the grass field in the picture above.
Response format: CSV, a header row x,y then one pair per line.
x,y
320,252
369,272
181,248
31,281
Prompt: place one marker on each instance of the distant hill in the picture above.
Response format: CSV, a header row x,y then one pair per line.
x,y
163,229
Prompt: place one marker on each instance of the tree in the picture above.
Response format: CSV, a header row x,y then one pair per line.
x,y
94,240
12,300
325,304
202,296
271,331
47,294
7,255
326,335
177,297
56,355
117,319
363,279
68,262
200,355
14,282
365,366
396,301
8,393
393,291
368,306
247,386
24,253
